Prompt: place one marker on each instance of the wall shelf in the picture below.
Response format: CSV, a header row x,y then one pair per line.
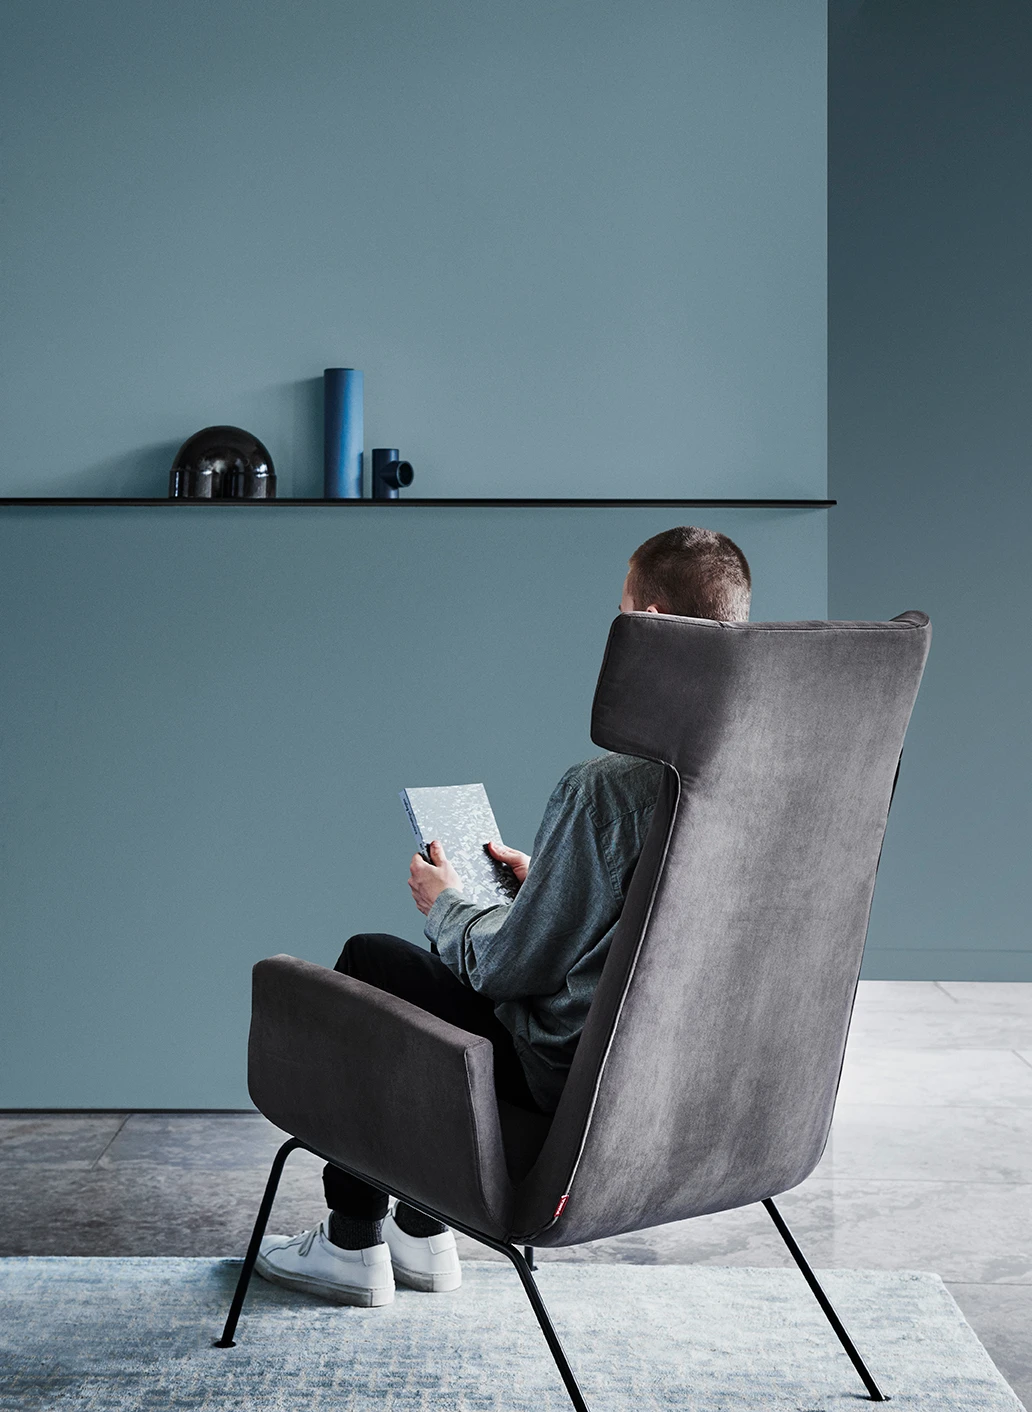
x,y
365,502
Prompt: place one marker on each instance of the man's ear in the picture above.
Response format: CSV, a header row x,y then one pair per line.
x,y
653,609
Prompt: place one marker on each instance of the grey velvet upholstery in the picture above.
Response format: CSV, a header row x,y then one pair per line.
x,y
706,1075
399,1095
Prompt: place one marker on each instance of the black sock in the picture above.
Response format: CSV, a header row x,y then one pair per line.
x,y
414,1223
349,1234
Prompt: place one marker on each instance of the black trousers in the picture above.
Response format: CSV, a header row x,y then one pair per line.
x,y
406,970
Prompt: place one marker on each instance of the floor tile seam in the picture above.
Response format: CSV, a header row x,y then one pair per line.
x,y
847,1103
828,1180
936,1107
933,1047
118,1163
816,1179
1021,1058
131,1113
81,1164
943,991
861,1018
867,1050
988,1284
96,1163
956,1008
933,1181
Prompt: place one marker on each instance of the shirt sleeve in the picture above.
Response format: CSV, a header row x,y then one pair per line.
x,y
568,899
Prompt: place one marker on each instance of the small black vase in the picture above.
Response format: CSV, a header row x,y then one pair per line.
x,y
225,463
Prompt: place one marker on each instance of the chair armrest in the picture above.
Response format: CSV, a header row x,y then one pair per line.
x,y
382,1087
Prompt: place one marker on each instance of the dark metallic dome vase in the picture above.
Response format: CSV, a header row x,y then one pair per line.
x,y
222,463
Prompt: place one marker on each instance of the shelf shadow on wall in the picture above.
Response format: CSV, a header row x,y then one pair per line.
x,y
287,416
141,473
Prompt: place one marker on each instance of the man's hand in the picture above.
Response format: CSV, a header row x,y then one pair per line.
x,y
428,880
517,861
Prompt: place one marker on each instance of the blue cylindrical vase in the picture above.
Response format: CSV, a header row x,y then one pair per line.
x,y
344,434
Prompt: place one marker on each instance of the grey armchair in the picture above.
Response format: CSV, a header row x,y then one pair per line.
x,y
706,1075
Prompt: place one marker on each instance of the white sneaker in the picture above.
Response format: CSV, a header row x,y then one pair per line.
x,y
429,1263
312,1263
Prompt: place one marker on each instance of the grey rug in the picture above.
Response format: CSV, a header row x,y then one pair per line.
x,y
113,1334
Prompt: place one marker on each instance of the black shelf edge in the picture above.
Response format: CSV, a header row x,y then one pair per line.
x,y
576,504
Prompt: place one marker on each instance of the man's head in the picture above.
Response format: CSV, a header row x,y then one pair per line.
x,y
695,573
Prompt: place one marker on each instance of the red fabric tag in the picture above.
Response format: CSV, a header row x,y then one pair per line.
x,y
559,1209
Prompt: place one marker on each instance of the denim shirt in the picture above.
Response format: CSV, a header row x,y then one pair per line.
x,y
539,958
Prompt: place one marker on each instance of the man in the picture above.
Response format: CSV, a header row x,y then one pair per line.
x,y
522,974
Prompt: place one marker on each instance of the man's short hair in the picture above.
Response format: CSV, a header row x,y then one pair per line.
x,y
695,573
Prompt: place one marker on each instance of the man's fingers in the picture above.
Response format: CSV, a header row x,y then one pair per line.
x,y
437,858
508,855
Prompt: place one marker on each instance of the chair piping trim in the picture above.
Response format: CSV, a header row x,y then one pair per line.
x,y
619,1010
656,621
475,1125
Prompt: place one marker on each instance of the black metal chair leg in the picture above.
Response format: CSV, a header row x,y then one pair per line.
x,y
822,1299
551,1337
262,1220
528,1255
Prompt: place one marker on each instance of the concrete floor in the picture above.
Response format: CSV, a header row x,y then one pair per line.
x,y
929,1168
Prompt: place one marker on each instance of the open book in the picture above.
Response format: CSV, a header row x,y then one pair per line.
x,y
460,817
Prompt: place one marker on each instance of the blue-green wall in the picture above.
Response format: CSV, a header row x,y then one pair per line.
x,y
577,249
930,353
206,721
